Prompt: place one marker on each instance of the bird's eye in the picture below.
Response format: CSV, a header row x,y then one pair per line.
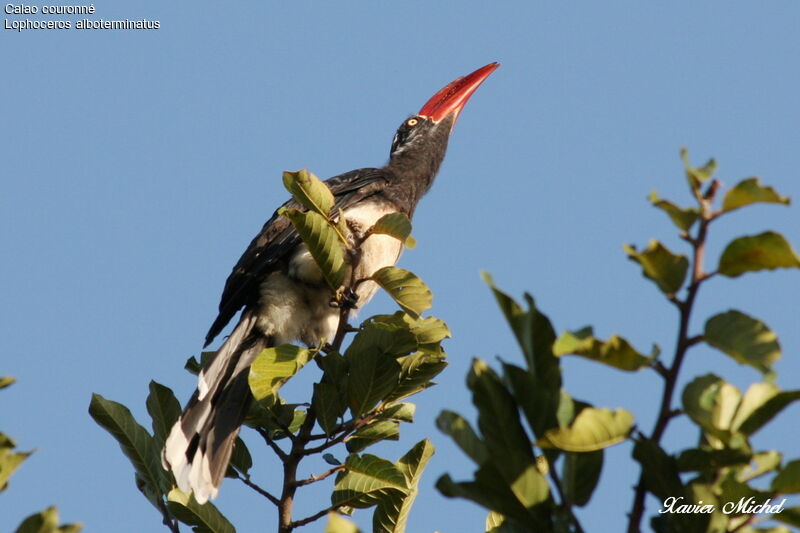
x,y
412,122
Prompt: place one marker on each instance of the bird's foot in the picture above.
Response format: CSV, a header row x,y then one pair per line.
x,y
345,298
349,299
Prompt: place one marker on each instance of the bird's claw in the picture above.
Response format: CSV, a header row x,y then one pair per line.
x,y
349,299
345,299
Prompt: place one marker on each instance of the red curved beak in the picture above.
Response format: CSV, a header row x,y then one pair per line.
x,y
454,96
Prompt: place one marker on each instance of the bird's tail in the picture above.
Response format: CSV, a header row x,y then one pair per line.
x,y
200,443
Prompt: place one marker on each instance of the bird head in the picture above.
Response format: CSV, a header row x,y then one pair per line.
x,y
421,140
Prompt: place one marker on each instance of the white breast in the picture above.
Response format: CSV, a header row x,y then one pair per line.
x,y
377,251
296,305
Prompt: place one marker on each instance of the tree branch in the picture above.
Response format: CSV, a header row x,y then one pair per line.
x,y
683,343
290,465
347,300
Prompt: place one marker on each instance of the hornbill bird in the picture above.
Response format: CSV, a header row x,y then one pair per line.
x,y
284,295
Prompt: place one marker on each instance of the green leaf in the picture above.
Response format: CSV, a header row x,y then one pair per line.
x,y
386,339
416,372
322,241
276,416
136,443
204,518
309,191
760,464
756,396
370,434
659,469
683,218
328,405
593,429
733,491
505,438
164,410
340,524
391,514
373,375
405,288
274,366
365,480
497,523
398,226
9,461
581,472
766,251
567,409
427,330
490,490
6,381
498,419
789,516
788,479
533,332
767,411
696,176
616,351
747,340
665,269
402,412
46,522
711,402
463,435
537,397
709,460
750,191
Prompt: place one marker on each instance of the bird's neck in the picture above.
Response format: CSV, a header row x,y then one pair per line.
x,y
413,172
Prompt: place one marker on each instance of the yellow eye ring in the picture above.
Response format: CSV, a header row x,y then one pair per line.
x,y
412,122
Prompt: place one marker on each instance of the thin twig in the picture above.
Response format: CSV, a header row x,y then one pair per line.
x,y
258,489
659,367
357,424
567,505
315,516
282,455
320,477
694,340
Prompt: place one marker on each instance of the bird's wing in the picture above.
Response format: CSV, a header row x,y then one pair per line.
x,y
278,237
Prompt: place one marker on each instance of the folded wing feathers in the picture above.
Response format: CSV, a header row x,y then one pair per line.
x,y
199,445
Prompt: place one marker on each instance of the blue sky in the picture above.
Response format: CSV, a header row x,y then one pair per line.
x,y
137,165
